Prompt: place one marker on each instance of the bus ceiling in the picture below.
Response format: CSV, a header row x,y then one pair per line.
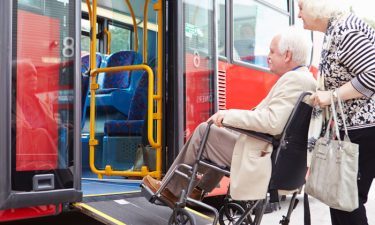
x,y
118,11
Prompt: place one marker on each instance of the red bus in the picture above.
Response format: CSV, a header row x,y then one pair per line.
x,y
204,55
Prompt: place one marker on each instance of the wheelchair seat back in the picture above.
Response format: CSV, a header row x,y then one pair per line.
x,y
289,157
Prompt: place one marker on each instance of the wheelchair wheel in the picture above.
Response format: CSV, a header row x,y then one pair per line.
x,y
230,213
181,216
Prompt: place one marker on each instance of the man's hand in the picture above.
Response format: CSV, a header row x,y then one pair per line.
x,y
217,118
321,98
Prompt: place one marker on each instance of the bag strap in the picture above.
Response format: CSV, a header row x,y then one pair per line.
x,y
334,114
340,103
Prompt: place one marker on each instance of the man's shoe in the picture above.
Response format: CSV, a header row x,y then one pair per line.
x,y
151,183
166,195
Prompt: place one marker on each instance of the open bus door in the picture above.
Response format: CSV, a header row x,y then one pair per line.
x,y
109,197
40,149
194,71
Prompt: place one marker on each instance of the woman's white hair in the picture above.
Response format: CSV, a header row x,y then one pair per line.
x,y
296,41
325,9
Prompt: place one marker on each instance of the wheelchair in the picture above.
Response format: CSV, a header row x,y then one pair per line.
x,y
290,146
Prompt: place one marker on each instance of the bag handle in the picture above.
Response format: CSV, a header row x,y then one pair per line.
x,y
340,103
332,118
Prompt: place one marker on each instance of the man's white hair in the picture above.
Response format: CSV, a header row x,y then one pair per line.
x,y
298,42
325,9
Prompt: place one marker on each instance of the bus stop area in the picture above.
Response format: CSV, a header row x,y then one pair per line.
x,y
319,212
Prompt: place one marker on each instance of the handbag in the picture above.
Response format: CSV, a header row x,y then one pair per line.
x,y
334,167
145,156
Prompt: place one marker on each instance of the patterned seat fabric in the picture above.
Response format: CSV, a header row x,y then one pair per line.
x,y
85,60
117,80
136,116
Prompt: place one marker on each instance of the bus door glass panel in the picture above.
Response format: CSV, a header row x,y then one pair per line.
x,y
199,62
43,95
253,30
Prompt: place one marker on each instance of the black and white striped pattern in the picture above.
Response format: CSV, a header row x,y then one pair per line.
x,y
349,55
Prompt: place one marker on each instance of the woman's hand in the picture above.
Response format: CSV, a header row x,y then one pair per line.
x,y
217,118
321,98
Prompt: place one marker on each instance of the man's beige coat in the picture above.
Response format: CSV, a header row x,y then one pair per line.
x,y
250,173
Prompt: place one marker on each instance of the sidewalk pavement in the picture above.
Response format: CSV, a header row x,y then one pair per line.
x,y
319,212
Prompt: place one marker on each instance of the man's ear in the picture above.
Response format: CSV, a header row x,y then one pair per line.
x,y
288,56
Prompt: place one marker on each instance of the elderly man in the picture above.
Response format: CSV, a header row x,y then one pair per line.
x,y
249,158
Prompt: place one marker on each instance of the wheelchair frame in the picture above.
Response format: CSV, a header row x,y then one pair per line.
x,y
179,213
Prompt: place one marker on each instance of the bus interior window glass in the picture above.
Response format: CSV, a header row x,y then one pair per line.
x,y
85,37
43,92
120,38
253,30
221,18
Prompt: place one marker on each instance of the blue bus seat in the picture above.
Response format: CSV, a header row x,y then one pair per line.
x,y
118,80
117,89
137,112
85,62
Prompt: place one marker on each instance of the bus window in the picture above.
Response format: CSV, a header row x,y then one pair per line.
x,y
85,37
120,38
253,30
221,29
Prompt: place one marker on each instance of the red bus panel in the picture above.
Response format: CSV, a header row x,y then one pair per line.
x,y
31,212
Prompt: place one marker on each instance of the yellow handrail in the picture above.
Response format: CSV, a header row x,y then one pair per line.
x,y
93,36
158,7
151,98
145,18
134,24
108,40
90,12
93,142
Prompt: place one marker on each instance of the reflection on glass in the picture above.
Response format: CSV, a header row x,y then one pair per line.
x,y
221,17
37,129
199,65
253,30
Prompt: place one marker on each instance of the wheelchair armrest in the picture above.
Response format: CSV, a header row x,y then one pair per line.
x,y
261,136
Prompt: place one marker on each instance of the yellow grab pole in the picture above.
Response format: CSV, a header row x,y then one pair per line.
x,y
108,40
90,12
134,24
145,20
158,7
94,86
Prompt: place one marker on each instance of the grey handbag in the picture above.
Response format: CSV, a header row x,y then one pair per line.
x,y
334,167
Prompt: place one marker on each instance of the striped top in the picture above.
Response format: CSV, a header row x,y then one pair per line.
x,y
348,54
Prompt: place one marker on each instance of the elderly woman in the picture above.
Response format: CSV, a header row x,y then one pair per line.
x,y
348,68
